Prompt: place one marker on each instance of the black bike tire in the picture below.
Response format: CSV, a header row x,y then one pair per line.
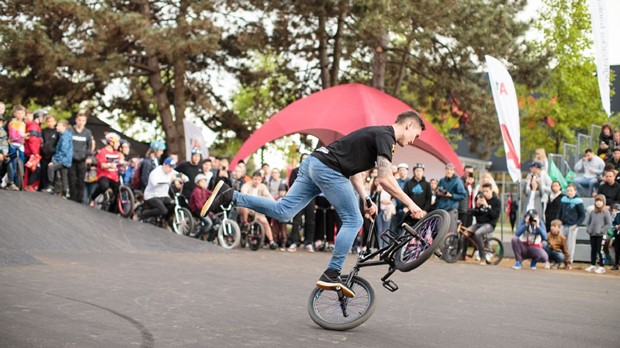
x,y
236,232
443,223
450,248
256,243
499,252
131,201
356,282
19,173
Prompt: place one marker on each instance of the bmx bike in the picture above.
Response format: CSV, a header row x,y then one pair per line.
x,y
455,246
332,310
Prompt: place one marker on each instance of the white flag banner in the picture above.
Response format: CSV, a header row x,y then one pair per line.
x,y
600,29
194,139
505,98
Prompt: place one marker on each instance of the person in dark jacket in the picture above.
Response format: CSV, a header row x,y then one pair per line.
x,y
82,145
572,213
554,200
191,168
150,161
487,210
48,148
610,188
418,189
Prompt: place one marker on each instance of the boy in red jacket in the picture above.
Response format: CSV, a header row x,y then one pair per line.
x,y
199,196
32,149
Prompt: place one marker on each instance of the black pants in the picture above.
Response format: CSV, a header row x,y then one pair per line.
x,y
43,180
103,185
157,206
4,167
595,250
617,249
77,174
307,214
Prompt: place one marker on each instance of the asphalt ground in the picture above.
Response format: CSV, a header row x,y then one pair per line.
x,y
96,280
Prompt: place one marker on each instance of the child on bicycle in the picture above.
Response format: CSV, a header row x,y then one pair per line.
x,y
199,196
107,167
61,161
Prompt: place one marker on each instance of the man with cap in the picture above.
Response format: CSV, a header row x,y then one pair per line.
x,y
544,180
450,192
156,197
401,179
191,168
418,189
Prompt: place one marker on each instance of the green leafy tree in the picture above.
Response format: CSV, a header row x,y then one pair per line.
x,y
568,98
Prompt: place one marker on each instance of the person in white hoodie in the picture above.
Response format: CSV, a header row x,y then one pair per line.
x,y
592,167
156,197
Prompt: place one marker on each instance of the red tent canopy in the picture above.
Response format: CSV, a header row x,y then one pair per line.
x,y
334,112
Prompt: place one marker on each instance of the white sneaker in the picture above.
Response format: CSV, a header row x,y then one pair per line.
x,y
476,255
600,270
487,257
309,248
590,268
547,265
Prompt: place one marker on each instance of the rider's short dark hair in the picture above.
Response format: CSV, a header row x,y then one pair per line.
x,y
410,115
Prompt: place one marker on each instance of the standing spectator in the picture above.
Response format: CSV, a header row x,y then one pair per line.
x,y
191,169
4,149
418,189
307,214
540,155
543,178
616,237
433,183
554,201
556,247
528,241
605,141
610,188
486,177
150,161
107,168
280,235
385,208
533,195
572,213
450,192
32,150
487,210
598,221
512,206
61,161
401,179
82,145
592,166
274,183
50,137
2,110
17,137
467,204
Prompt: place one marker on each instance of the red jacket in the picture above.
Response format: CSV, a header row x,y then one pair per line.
x,y
198,198
32,145
106,156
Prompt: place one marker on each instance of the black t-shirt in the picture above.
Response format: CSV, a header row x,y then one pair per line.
x,y
358,150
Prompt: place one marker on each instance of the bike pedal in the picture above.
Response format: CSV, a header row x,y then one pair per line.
x,y
390,285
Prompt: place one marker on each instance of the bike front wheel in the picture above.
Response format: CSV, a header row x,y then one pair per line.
x,y
228,234
428,235
495,249
450,248
126,201
332,313
182,222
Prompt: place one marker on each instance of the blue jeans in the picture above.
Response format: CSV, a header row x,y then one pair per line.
x,y
13,153
314,178
585,186
555,256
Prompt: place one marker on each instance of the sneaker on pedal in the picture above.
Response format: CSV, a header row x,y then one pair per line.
x,y
222,196
330,280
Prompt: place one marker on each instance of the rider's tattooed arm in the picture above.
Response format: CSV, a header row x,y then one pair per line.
x,y
389,183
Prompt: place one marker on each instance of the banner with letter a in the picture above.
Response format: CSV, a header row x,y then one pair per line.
x,y
600,29
505,98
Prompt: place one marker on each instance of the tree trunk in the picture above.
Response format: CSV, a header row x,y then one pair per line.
x,y
401,70
380,60
323,56
335,71
173,137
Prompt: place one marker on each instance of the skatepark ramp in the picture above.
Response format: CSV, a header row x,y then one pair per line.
x,y
33,223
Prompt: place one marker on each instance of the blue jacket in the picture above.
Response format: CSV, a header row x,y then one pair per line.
x,y
454,185
572,211
542,230
64,149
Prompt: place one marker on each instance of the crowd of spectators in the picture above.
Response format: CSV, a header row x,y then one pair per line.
x,y
65,160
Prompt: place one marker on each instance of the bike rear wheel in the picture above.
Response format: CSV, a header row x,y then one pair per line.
x,y
229,234
431,231
450,248
126,201
182,222
495,248
256,236
326,309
